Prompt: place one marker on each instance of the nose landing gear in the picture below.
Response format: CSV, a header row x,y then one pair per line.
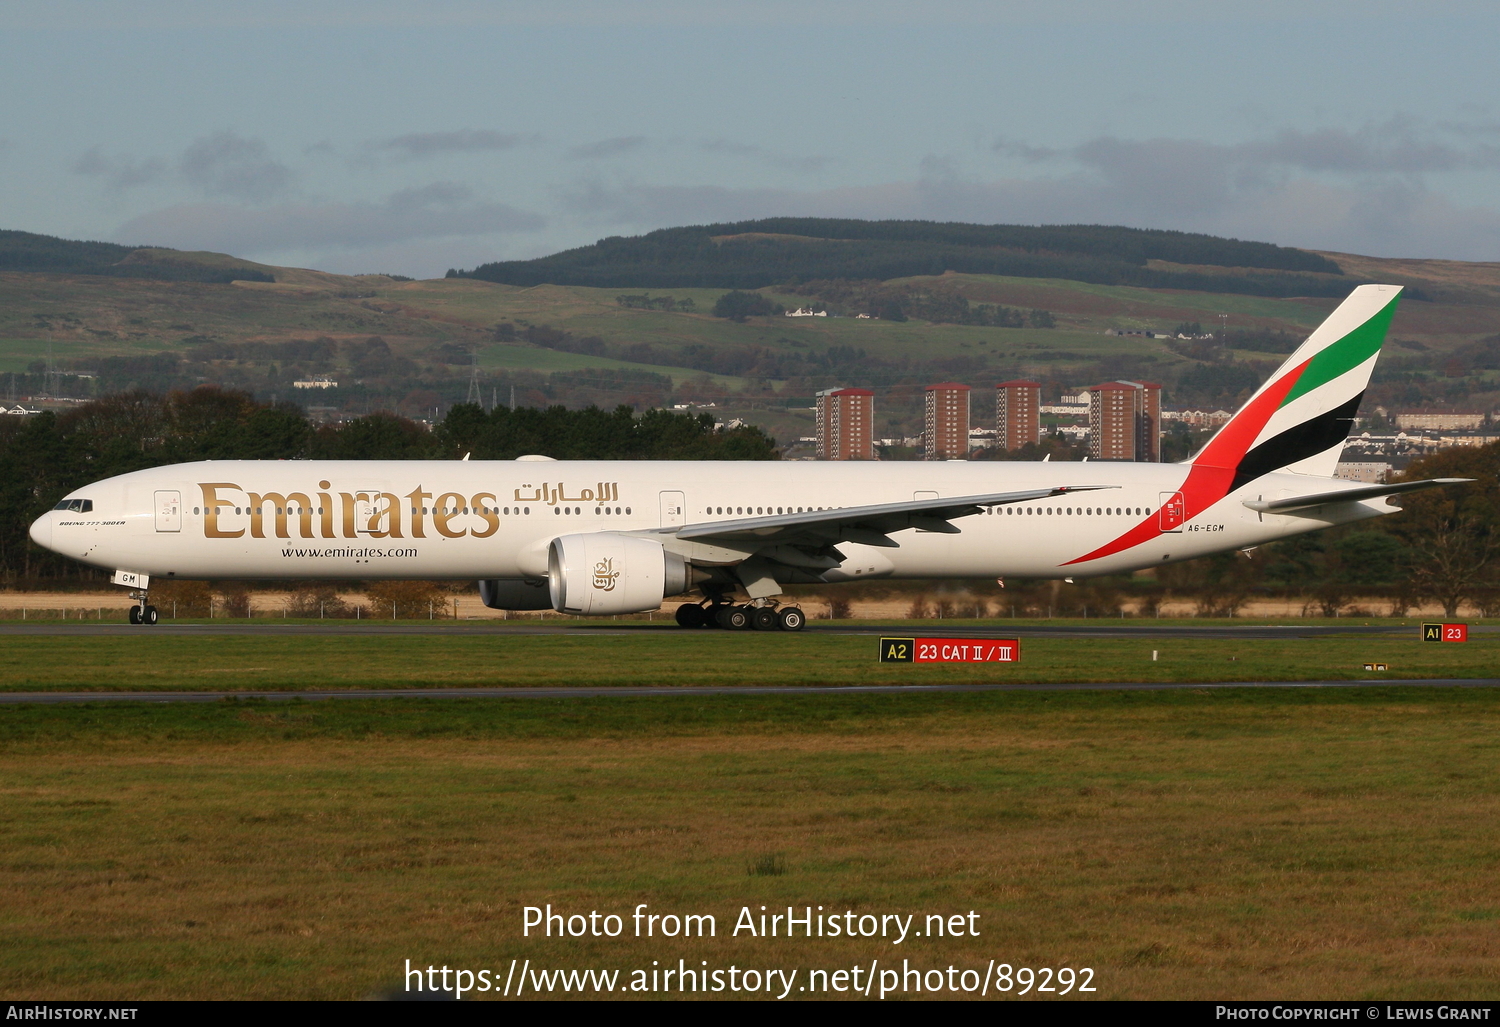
x,y
142,612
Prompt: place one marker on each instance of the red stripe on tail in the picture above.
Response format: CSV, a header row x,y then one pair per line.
x,y
1213,470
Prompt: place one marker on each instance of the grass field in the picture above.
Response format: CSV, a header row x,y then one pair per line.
x,y
638,654
1285,844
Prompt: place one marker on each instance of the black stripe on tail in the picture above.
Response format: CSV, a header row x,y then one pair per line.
x,y
1309,438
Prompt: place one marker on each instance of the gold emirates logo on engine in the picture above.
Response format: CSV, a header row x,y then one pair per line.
x,y
230,511
605,574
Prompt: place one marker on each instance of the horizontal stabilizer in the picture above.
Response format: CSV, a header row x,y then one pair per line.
x,y
1353,495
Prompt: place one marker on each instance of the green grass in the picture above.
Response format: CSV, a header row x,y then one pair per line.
x,y
647,655
17,354
534,358
1228,844
1303,312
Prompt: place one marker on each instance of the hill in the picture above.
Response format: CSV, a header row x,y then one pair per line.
x,y
29,252
409,346
773,251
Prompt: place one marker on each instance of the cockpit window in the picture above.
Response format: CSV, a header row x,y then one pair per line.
x,y
76,505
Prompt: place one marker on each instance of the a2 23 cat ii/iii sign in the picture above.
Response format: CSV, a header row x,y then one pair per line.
x,y
950,650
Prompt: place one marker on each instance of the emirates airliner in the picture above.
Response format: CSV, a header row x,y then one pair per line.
x,y
597,538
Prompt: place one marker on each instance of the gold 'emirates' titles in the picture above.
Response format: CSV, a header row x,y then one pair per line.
x,y
383,514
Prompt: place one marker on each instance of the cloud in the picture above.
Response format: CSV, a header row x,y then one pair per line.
x,y
804,165
231,166
620,145
426,144
92,15
606,148
439,210
1026,152
1399,146
119,172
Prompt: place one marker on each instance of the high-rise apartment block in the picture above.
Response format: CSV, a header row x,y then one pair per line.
x,y
1018,418
945,428
1125,421
846,424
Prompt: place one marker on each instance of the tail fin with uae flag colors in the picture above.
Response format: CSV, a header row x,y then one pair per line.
x,y
1298,420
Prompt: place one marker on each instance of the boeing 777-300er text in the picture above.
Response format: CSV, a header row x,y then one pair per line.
x,y
598,538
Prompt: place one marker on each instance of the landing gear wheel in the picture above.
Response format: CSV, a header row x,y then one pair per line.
x,y
789,618
763,618
691,615
150,615
732,618
135,615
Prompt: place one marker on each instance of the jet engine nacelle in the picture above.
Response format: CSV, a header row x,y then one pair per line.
x,y
515,594
604,573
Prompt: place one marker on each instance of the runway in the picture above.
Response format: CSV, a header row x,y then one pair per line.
x,y
906,629
736,691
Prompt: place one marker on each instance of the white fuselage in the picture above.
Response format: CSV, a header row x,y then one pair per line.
x,y
495,519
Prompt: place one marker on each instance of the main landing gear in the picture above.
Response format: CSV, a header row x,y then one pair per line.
x,y
142,612
738,618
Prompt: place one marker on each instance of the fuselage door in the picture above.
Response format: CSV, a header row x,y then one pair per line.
x,y
673,510
1173,511
168,510
367,506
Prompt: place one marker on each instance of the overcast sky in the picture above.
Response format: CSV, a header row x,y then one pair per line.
x,y
412,137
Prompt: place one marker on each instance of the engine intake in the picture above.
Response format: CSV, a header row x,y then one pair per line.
x,y
604,573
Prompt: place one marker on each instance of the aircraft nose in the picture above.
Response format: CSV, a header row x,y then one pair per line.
x,y
41,530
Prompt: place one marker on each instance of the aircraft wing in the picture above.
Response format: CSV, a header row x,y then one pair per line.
x,y
867,525
1295,503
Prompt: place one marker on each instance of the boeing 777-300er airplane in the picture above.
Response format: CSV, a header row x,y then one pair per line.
x,y
597,538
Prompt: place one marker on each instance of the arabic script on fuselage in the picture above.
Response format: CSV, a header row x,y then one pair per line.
x,y
602,492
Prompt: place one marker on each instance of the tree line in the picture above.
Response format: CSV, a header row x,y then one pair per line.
x,y
46,456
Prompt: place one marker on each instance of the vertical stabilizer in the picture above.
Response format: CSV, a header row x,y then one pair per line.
x,y
1298,420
